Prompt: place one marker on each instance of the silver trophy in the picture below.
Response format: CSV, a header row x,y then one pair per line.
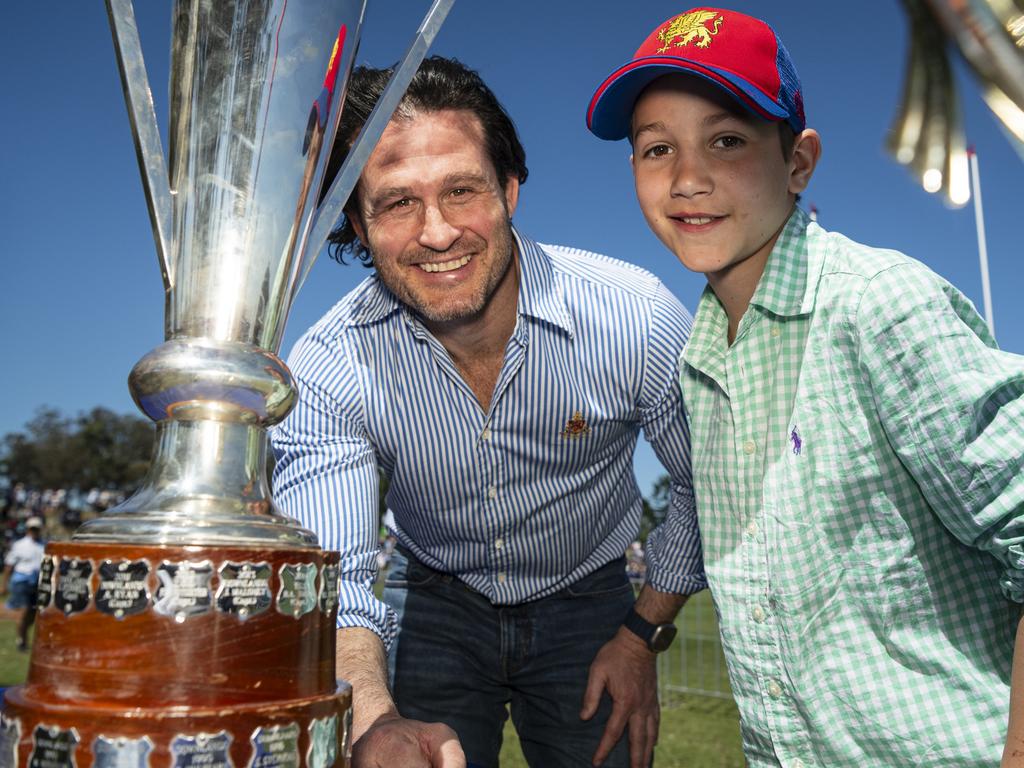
x,y
193,625
256,93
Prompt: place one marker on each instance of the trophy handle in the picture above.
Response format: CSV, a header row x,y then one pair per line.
x,y
330,210
142,117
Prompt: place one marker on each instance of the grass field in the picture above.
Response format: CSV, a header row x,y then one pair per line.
x,y
696,731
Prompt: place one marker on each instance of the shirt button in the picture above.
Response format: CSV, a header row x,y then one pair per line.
x,y
797,763
752,529
776,332
485,435
499,543
501,578
492,492
758,614
749,447
774,689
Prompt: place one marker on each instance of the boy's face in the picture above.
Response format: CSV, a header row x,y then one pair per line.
x,y
712,181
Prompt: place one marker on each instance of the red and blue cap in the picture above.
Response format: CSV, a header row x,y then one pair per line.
x,y
740,54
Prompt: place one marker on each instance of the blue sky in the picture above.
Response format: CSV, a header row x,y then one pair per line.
x,y
82,295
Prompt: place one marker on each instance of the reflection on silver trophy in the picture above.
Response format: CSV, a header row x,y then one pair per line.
x,y
255,95
193,625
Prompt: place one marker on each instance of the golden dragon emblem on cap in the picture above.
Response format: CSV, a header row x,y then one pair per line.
x,y
689,27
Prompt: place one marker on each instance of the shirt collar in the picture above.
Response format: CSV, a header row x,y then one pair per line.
x,y
787,288
785,283
540,295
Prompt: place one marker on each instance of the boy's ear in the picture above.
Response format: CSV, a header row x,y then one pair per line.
x,y
806,152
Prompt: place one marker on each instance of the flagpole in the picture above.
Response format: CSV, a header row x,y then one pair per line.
x,y
979,225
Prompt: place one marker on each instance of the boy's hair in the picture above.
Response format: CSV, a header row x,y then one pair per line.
x,y
787,139
439,84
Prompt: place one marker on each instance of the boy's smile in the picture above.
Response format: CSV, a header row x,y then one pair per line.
x,y
712,181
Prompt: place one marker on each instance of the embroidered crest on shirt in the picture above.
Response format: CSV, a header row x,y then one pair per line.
x,y
690,27
576,427
798,444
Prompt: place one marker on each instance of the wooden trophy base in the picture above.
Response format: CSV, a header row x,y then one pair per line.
x,y
181,657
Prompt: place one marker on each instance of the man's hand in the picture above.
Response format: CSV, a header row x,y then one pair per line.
x,y
394,741
627,670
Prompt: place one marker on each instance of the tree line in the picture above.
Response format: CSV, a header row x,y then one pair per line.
x,y
96,449
104,449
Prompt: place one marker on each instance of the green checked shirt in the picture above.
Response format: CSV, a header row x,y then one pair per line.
x,y
858,459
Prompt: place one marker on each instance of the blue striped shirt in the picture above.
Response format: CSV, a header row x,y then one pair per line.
x,y
525,499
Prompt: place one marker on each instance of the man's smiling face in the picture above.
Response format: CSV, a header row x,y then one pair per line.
x,y
435,216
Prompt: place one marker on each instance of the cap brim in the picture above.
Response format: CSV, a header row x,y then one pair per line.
x,y
611,107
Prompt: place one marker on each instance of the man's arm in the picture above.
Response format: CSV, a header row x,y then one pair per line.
x,y
326,478
381,736
625,667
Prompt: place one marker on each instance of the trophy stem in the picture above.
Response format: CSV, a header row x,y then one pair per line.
x,y
212,402
207,486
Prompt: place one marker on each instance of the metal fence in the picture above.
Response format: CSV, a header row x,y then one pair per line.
x,y
694,664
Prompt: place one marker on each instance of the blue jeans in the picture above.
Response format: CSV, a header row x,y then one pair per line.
x,y
460,660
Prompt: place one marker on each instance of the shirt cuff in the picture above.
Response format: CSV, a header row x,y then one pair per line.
x,y
358,607
1012,581
675,583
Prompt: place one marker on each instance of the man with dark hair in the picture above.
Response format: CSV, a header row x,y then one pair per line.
x,y
500,385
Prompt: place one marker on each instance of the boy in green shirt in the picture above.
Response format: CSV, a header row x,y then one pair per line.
x,y
858,439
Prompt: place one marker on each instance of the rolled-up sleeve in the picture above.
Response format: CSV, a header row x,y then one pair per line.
x,y
675,560
952,407
326,475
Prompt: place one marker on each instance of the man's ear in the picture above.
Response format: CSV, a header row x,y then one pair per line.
x,y
806,153
511,195
352,214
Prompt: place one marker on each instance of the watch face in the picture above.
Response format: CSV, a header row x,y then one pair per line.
x,y
662,638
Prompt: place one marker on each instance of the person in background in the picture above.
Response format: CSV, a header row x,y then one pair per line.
x,y
21,576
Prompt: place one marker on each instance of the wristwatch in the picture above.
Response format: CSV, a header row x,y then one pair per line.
x,y
657,636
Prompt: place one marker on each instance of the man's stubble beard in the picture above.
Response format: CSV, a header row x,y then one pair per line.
x,y
501,247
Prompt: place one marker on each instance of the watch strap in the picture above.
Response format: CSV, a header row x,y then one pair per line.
x,y
639,626
657,637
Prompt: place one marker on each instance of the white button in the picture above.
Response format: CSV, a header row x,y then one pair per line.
x,y
758,614
797,763
501,578
752,529
774,689
492,492
499,543
486,434
749,447
776,332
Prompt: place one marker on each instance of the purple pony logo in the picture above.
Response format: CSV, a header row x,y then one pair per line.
x,y
797,442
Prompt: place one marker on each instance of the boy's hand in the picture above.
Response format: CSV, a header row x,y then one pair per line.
x,y
627,670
